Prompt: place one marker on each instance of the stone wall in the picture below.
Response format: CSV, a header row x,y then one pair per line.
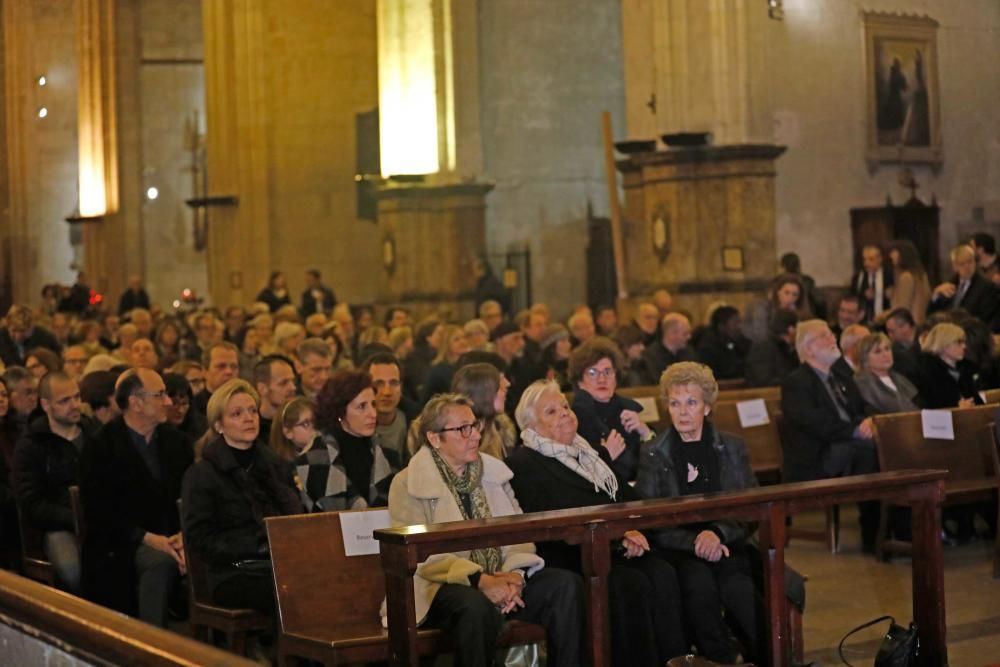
x,y
548,71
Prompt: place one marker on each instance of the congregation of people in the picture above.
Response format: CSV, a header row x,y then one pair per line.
x,y
317,406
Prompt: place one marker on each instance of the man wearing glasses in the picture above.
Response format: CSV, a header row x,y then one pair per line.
x,y
130,480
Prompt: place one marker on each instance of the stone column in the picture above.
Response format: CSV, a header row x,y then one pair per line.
x,y
433,231
700,222
239,236
687,67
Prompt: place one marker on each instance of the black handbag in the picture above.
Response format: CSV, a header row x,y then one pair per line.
x,y
899,648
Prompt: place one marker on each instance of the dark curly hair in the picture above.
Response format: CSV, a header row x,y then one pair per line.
x,y
592,352
336,394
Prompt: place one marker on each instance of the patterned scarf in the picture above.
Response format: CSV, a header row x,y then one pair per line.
x,y
490,558
579,457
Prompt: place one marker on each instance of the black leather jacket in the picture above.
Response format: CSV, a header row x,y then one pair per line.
x,y
657,479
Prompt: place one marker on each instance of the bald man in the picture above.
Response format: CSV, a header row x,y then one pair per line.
x,y
130,480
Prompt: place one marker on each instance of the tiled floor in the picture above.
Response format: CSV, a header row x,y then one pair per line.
x,y
848,589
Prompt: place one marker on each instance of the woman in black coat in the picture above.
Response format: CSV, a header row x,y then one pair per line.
x,y
608,421
556,469
715,566
947,380
226,497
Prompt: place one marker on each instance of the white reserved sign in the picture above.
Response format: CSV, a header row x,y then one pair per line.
x,y
753,413
937,424
358,527
650,412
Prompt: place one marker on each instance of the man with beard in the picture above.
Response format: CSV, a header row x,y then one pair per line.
x,y
828,434
46,464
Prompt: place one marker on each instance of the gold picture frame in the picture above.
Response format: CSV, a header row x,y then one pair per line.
x,y
903,90
732,258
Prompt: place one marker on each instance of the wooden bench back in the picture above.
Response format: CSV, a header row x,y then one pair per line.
x,y
763,442
972,455
767,393
317,585
992,396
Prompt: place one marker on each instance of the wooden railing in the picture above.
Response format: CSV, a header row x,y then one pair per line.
x,y
595,528
94,634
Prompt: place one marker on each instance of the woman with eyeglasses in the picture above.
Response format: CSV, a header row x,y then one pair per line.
x,y
469,594
946,377
226,496
554,469
350,469
608,421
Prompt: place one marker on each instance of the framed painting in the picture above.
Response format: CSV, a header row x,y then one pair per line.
x,y
903,91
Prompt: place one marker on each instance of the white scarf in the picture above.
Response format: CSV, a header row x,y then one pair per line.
x,y
579,457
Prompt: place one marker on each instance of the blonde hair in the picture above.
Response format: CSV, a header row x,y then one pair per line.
x,y
941,336
449,334
221,397
690,372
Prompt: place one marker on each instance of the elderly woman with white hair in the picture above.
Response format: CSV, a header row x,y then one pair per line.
x,y
713,558
555,468
946,377
469,594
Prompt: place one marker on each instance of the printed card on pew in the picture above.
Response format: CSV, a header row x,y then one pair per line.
x,y
358,527
753,413
938,424
650,413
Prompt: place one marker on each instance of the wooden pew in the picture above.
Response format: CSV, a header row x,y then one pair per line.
x,y
596,528
42,623
991,396
767,393
970,459
763,442
328,603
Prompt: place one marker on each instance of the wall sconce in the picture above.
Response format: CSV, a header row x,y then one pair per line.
x,y
43,112
42,80
775,9
152,192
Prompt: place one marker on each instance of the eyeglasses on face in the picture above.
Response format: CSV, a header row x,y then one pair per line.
x,y
594,373
465,430
305,423
153,394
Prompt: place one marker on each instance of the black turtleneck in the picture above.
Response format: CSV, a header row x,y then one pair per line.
x,y
244,457
356,453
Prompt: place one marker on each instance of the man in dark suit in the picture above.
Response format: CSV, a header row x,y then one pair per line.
x,y
134,296
317,297
130,480
828,434
967,289
873,283
20,336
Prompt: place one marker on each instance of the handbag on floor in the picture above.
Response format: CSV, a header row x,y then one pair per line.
x,y
899,647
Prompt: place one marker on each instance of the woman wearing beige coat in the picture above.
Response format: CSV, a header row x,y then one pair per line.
x,y
469,594
912,290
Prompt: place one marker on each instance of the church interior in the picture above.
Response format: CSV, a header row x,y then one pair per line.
x,y
579,153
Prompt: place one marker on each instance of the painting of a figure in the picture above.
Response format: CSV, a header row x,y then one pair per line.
x,y
903,109
901,62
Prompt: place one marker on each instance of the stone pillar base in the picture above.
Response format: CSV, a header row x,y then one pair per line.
x,y
430,239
